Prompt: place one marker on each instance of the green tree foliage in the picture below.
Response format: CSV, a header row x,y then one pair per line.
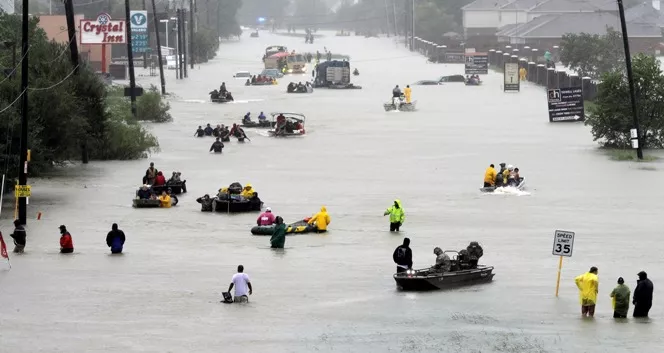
x,y
592,55
611,116
65,111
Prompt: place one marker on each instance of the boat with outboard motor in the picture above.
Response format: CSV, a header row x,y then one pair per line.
x,y
152,201
473,81
461,274
400,105
176,187
261,83
299,88
287,124
260,124
299,227
520,186
230,200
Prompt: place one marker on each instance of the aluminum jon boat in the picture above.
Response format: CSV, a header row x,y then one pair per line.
x,y
425,279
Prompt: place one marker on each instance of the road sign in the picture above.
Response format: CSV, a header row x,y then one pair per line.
x,y
511,78
477,63
563,243
23,191
565,104
139,31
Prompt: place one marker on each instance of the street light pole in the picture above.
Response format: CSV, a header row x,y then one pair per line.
x,y
630,79
161,62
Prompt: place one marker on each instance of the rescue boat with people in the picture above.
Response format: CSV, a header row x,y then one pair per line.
x,y
299,227
231,200
400,105
429,279
519,186
287,124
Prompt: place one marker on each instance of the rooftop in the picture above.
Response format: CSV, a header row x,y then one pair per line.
x,y
644,13
558,6
486,4
555,26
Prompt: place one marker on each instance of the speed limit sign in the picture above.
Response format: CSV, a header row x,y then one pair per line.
x,y
563,243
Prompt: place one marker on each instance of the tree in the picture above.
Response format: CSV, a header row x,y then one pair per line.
x,y
65,111
591,54
611,117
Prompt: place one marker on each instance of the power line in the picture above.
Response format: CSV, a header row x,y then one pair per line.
x,y
12,103
16,67
56,84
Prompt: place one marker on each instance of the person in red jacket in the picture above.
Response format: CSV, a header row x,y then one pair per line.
x,y
160,179
66,244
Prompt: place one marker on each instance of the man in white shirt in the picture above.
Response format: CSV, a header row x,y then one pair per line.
x,y
242,286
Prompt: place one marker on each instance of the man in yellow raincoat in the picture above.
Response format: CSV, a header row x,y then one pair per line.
x,y
248,191
321,219
407,92
397,215
490,176
588,284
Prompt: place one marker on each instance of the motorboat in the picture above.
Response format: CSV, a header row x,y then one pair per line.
x,y
400,105
295,88
520,186
426,279
292,125
259,124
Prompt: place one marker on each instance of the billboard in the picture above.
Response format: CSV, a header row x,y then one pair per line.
x,y
565,104
103,30
139,31
477,63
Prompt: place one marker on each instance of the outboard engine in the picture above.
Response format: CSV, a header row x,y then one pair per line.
x,y
396,102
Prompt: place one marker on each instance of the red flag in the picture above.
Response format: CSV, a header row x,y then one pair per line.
x,y
3,248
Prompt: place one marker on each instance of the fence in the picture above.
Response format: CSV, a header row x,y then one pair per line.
x,y
531,59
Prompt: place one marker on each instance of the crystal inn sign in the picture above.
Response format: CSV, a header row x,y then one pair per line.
x,y
103,30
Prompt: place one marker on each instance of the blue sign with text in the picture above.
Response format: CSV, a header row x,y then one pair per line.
x,y
139,31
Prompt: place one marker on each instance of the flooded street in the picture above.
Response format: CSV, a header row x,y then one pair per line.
x,y
335,292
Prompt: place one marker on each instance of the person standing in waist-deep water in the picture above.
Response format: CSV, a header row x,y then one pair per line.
x,y
321,220
242,286
403,256
115,239
397,215
620,298
66,243
643,295
278,239
588,284
19,237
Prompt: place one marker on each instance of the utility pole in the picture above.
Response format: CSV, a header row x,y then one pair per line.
x,y
394,13
73,51
630,79
156,22
412,25
180,24
23,164
71,32
184,39
405,24
145,54
130,59
191,33
387,20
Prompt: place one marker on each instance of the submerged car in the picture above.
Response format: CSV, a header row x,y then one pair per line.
x,y
242,74
441,80
274,73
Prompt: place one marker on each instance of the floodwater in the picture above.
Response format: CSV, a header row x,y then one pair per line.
x,y
334,293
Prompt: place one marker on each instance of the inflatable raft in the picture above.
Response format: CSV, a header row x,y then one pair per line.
x,y
298,227
236,204
143,203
